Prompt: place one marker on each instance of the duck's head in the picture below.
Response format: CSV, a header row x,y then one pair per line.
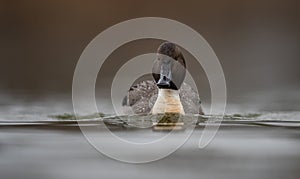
x,y
169,68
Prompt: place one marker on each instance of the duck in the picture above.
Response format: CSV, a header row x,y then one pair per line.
x,y
167,92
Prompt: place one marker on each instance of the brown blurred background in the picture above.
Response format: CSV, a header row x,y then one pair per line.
x,y
257,43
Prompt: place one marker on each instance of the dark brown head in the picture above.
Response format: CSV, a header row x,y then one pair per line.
x,y
169,68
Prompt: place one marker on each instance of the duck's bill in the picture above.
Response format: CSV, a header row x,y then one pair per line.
x,y
163,83
165,76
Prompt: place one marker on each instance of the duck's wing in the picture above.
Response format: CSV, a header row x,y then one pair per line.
x,y
140,98
190,100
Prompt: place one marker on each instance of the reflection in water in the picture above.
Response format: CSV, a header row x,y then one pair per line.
x,y
38,141
236,152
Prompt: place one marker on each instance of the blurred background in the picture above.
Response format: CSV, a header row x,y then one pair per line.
x,y
257,43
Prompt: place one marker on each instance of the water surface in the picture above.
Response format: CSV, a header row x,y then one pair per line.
x,y
34,144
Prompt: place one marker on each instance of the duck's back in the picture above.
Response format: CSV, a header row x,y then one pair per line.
x,y
142,96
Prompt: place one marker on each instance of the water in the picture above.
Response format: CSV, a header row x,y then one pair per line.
x,y
34,145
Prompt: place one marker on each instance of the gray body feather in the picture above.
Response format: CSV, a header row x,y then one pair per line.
x,y
141,98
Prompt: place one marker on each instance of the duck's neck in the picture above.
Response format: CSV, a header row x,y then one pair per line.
x,y
168,101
